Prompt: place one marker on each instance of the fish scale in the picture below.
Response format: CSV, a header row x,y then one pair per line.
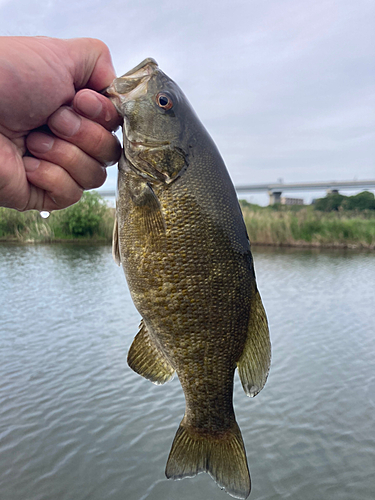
x,y
180,237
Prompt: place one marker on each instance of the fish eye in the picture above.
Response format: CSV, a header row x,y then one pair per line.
x,y
164,101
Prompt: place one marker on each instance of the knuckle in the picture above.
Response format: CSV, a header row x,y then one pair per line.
x,y
72,155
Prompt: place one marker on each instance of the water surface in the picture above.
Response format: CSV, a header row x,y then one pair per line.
x,y
77,423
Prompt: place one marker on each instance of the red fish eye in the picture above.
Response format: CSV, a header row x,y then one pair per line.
x,y
164,101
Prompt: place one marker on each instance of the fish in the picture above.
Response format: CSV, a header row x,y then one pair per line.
x,y
180,237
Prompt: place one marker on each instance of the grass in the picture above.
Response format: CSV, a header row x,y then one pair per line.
x,y
304,226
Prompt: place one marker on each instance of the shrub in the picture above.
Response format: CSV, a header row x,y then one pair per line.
x,y
85,217
335,201
360,201
331,202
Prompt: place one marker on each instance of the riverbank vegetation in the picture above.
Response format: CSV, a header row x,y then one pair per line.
x,y
330,222
324,224
88,220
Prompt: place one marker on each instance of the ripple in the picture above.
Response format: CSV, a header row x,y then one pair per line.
x,y
76,422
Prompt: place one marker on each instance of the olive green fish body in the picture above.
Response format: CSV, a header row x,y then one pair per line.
x,y
192,284
181,239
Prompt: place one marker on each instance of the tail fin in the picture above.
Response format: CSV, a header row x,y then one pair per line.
x,y
223,457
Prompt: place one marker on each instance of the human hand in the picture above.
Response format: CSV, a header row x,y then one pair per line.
x,y
49,110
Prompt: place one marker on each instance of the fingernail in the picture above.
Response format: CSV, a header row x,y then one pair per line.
x,y
89,104
65,122
40,143
30,163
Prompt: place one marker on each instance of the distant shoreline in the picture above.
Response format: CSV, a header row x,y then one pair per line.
x,y
91,222
304,244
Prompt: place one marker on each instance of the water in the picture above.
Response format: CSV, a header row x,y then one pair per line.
x,y
77,423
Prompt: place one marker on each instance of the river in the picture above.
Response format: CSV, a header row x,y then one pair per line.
x,y
76,423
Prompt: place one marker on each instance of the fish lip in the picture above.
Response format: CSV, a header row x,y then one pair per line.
x,y
149,61
131,84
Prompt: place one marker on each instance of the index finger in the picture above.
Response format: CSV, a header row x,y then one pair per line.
x,y
91,63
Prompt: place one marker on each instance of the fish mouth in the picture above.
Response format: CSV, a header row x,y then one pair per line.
x,y
132,84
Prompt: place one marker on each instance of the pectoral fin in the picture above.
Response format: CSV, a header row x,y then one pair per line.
x,y
254,363
146,359
151,220
115,245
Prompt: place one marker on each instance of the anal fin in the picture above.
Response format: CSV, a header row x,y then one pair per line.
x,y
146,359
254,363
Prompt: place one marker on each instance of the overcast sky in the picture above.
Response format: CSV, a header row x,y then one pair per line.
x,y
285,87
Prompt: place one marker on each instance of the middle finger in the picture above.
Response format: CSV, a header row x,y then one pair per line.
x,y
87,135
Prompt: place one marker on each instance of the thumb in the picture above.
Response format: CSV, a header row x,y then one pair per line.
x,y
91,63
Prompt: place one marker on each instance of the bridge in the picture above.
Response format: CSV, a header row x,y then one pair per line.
x,y
275,190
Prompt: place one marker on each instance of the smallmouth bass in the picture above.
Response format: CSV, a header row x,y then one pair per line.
x,y
181,239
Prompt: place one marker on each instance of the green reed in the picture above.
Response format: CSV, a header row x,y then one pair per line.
x,y
305,226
